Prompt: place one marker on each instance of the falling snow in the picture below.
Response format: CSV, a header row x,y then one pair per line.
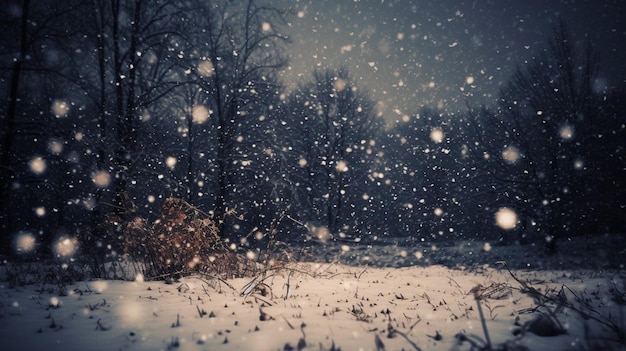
x,y
506,218
37,165
101,179
24,242
200,114
60,108
341,166
436,135
170,162
386,158
65,247
510,154
566,132
205,68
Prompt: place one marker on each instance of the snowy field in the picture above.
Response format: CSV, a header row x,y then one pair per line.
x,y
326,306
598,252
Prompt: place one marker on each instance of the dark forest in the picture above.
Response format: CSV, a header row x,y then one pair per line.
x,y
112,107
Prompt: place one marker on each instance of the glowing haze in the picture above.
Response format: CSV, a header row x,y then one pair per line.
x,y
440,53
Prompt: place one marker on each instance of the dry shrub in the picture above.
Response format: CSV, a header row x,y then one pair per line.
x,y
182,240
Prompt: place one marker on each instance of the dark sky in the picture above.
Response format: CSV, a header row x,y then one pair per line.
x,y
408,54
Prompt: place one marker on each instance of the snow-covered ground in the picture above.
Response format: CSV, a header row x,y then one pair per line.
x,y
324,306
600,251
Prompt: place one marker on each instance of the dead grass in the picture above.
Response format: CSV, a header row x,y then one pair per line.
x,y
182,241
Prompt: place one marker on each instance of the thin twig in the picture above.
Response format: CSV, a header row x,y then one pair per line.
x,y
589,313
396,331
217,278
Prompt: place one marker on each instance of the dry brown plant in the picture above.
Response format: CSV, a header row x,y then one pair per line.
x,y
183,240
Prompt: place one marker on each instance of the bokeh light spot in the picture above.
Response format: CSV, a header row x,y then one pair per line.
x,y
200,114
24,242
65,247
206,69
40,211
55,146
37,165
341,166
101,179
170,162
60,108
339,84
506,218
510,154
579,164
436,135
566,132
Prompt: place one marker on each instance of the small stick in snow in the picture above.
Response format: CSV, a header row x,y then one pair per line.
x,y
201,312
264,316
476,290
177,324
380,346
393,331
289,324
99,326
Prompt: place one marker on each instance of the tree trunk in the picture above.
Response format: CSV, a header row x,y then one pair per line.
x,y
7,172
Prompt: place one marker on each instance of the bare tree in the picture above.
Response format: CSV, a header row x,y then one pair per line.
x,y
333,142
34,58
431,167
545,127
238,54
137,64
8,128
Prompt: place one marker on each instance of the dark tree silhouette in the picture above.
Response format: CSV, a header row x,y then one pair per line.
x,y
139,31
333,134
431,170
33,60
544,132
237,55
7,172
